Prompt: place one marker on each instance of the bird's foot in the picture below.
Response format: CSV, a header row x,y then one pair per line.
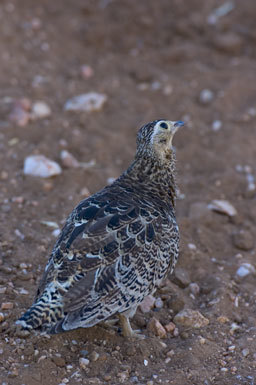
x,y
127,329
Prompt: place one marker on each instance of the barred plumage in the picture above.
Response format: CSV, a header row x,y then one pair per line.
x,y
116,246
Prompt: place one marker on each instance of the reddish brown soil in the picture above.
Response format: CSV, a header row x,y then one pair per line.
x,y
139,51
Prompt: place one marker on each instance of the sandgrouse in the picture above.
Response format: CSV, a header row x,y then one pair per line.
x,y
116,246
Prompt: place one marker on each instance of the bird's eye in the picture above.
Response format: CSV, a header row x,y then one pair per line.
x,y
164,125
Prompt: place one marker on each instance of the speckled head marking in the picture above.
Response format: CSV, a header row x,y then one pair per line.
x,y
155,138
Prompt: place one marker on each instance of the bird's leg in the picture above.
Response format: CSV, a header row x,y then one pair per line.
x,y
127,329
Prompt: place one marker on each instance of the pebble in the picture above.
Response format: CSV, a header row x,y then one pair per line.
x,y
192,246
68,160
147,304
221,11
181,277
216,125
56,232
87,71
229,43
40,110
223,207
170,327
206,96
191,318
20,113
59,361
156,327
145,362
245,269
159,303
243,240
1,317
94,356
85,192
39,165
89,102
194,288
4,175
222,319
83,362
7,306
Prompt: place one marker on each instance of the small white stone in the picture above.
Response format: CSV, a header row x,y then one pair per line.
x,y
159,303
56,232
216,125
245,352
206,96
91,101
223,207
191,246
40,110
110,180
146,362
245,269
68,160
83,362
39,165
194,288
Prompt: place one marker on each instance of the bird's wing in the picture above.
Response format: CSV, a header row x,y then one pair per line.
x,y
101,256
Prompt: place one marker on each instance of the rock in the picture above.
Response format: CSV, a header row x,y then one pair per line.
x,y
216,125
222,319
85,192
68,160
170,327
87,71
6,306
191,318
1,317
51,224
159,303
39,165
181,277
229,43
20,113
243,240
83,362
194,288
40,110
89,102
245,269
4,175
206,96
220,11
175,303
94,356
156,328
245,352
171,353
223,207
147,304
59,361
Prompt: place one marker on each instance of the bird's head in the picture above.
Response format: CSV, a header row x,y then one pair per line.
x,y
155,138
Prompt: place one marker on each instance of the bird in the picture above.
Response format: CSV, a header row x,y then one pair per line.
x,y
116,246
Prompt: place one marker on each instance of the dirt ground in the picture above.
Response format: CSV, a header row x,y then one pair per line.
x,y
152,59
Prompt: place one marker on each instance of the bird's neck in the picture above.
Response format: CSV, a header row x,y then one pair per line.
x,y
155,175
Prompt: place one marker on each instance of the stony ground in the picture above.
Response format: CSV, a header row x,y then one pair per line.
x,y
151,59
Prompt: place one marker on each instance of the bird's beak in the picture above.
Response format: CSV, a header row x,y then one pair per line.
x,y
176,125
